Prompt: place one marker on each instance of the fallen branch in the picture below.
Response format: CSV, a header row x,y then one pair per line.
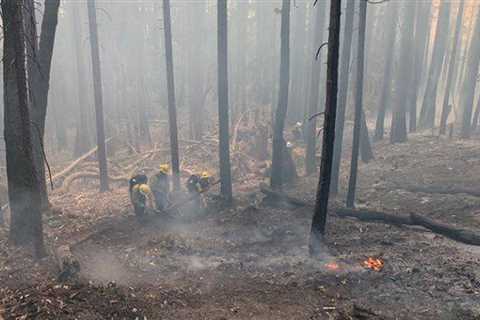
x,y
87,175
451,232
76,162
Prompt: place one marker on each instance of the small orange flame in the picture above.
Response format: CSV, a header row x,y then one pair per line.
x,y
332,266
375,264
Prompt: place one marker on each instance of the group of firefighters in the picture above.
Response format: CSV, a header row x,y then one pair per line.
x,y
154,194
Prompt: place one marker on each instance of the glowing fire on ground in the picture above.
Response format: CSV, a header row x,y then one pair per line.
x,y
373,263
332,266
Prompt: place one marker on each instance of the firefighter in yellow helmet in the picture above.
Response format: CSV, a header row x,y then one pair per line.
x,y
140,195
196,185
160,186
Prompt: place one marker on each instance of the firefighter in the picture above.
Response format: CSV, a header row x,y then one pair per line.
x,y
196,185
160,186
297,132
140,195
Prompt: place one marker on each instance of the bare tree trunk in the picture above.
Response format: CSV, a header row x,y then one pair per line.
x,y
427,113
343,94
97,89
446,107
398,132
23,184
224,146
82,137
40,80
422,32
172,109
386,94
281,112
470,81
321,204
310,161
352,184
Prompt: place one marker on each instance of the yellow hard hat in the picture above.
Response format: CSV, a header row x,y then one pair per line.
x,y
144,189
205,174
164,168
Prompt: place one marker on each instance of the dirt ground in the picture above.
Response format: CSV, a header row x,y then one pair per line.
x,y
251,261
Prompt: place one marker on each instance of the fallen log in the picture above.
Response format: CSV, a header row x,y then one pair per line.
x,y
87,175
460,235
374,216
75,163
451,232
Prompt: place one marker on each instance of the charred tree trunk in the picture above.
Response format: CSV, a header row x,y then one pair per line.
x,y
172,109
23,185
422,32
385,96
82,137
343,93
321,204
310,159
223,119
281,112
40,80
446,107
427,113
398,132
352,183
470,81
97,89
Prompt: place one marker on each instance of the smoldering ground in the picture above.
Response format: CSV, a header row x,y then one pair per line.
x,y
207,248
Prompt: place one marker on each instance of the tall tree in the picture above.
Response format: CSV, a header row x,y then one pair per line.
x,y
386,92
40,83
172,111
98,96
427,113
197,69
310,163
321,204
343,93
470,81
449,86
82,135
297,86
352,183
422,32
23,185
224,144
278,148
398,132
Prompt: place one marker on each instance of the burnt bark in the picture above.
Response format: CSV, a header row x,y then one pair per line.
x,y
470,81
281,112
343,93
449,86
398,132
82,137
427,113
352,183
321,204
23,183
386,94
422,35
310,159
98,96
172,109
223,119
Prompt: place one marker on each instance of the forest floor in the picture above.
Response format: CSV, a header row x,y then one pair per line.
x,y
251,261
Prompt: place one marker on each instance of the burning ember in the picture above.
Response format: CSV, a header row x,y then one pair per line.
x,y
375,264
332,266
